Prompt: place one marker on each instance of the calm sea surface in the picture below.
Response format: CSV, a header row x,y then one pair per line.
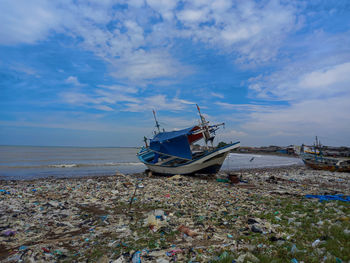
x,y
27,162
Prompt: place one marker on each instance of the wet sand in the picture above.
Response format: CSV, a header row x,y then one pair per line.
x,y
263,218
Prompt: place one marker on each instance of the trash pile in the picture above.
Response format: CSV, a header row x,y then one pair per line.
x,y
251,216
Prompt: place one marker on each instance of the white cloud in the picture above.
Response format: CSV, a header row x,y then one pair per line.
x,y
102,98
184,101
74,120
113,97
26,22
76,98
323,117
333,79
136,43
136,3
142,65
192,15
158,102
247,107
217,95
73,80
290,84
319,67
119,88
24,69
103,108
317,90
255,31
164,7
231,135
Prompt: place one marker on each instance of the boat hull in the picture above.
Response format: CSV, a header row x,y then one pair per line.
x,y
321,166
207,164
326,163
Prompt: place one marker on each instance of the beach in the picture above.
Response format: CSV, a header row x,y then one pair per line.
x,y
264,216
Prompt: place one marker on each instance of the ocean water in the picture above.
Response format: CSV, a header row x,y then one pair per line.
x,y
28,162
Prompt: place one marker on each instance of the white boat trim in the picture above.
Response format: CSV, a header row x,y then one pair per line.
x,y
212,160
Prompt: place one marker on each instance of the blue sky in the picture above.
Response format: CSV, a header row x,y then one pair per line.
x,y
89,73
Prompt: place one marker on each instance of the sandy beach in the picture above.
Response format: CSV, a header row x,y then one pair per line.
x,y
263,218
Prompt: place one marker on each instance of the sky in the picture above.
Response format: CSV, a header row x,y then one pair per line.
x,y
89,73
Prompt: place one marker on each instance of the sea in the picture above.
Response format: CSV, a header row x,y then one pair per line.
x,y
33,162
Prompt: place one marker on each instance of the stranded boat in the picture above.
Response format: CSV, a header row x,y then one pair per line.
x,y
313,157
327,163
172,152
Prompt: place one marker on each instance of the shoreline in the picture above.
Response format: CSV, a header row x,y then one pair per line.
x,y
142,174
183,218
77,177
277,167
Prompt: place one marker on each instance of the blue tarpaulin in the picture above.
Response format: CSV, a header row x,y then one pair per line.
x,y
330,197
173,143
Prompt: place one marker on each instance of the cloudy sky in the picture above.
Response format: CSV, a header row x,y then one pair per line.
x,y
89,73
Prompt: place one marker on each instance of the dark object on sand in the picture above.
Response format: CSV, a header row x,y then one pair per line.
x,y
252,221
233,178
8,233
274,239
256,229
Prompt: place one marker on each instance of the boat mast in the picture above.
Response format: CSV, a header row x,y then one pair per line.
x,y
205,129
157,124
317,147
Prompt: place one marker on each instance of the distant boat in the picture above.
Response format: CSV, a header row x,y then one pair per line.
x,y
171,153
313,157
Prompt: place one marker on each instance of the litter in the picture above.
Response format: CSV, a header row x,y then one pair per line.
x,y
222,180
256,229
315,243
187,231
8,233
73,218
176,177
136,258
330,197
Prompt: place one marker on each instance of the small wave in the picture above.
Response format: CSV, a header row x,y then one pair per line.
x,y
112,164
245,155
93,165
63,165
73,165
138,163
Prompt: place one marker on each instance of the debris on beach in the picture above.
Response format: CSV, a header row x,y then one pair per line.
x,y
254,215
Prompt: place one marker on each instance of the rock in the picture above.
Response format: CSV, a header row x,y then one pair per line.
x,y
54,204
256,229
